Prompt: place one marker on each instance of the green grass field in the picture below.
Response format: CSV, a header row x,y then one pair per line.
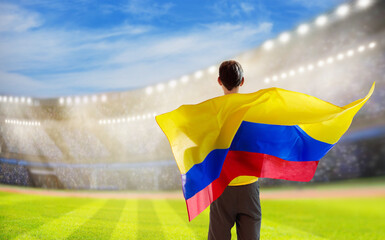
x,y
46,217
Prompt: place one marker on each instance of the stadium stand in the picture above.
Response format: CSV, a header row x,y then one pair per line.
x,y
111,140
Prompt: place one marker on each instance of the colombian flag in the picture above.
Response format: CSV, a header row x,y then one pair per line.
x,y
272,133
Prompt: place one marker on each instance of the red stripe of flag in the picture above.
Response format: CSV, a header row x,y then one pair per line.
x,y
239,163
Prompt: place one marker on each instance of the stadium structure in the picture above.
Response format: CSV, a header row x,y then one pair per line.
x,y
112,141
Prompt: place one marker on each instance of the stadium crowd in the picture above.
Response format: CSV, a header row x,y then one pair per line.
x,y
122,128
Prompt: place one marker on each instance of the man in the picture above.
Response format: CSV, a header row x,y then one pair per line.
x,y
239,203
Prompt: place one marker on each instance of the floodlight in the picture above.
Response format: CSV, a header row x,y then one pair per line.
x,y
372,45
149,90
284,37
212,69
343,10
159,87
184,79
310,67
350,53
292,73
321,20
104,98
267,80
172,83
268,45
330,60
61,101
361,48
283,75
275,78
340,56
77,100
301,69
364,3
320,63
198,74
303,29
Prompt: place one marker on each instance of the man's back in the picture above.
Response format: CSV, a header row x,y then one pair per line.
x,y
239,203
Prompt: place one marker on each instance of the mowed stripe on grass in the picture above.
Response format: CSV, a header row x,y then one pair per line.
x,y
46,217
63,227
126,228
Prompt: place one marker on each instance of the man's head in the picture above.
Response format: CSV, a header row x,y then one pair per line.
x,y
230,76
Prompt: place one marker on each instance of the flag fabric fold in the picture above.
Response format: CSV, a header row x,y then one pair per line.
x,y
272,133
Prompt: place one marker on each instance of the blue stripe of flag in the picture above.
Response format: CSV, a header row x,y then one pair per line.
x,y
289,143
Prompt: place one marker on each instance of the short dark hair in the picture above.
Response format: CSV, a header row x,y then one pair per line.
x,y
231,74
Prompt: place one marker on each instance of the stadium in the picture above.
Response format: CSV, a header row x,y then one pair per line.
x,y
107,153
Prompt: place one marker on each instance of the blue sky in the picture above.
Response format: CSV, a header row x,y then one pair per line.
x,y
52,48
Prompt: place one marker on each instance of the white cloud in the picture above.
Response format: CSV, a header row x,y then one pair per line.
x,y
15,19
234,8
55,62
160,58
145,9
246,7
17,84
315,3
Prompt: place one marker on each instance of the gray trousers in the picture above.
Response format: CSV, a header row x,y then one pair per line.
x,y
239,205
